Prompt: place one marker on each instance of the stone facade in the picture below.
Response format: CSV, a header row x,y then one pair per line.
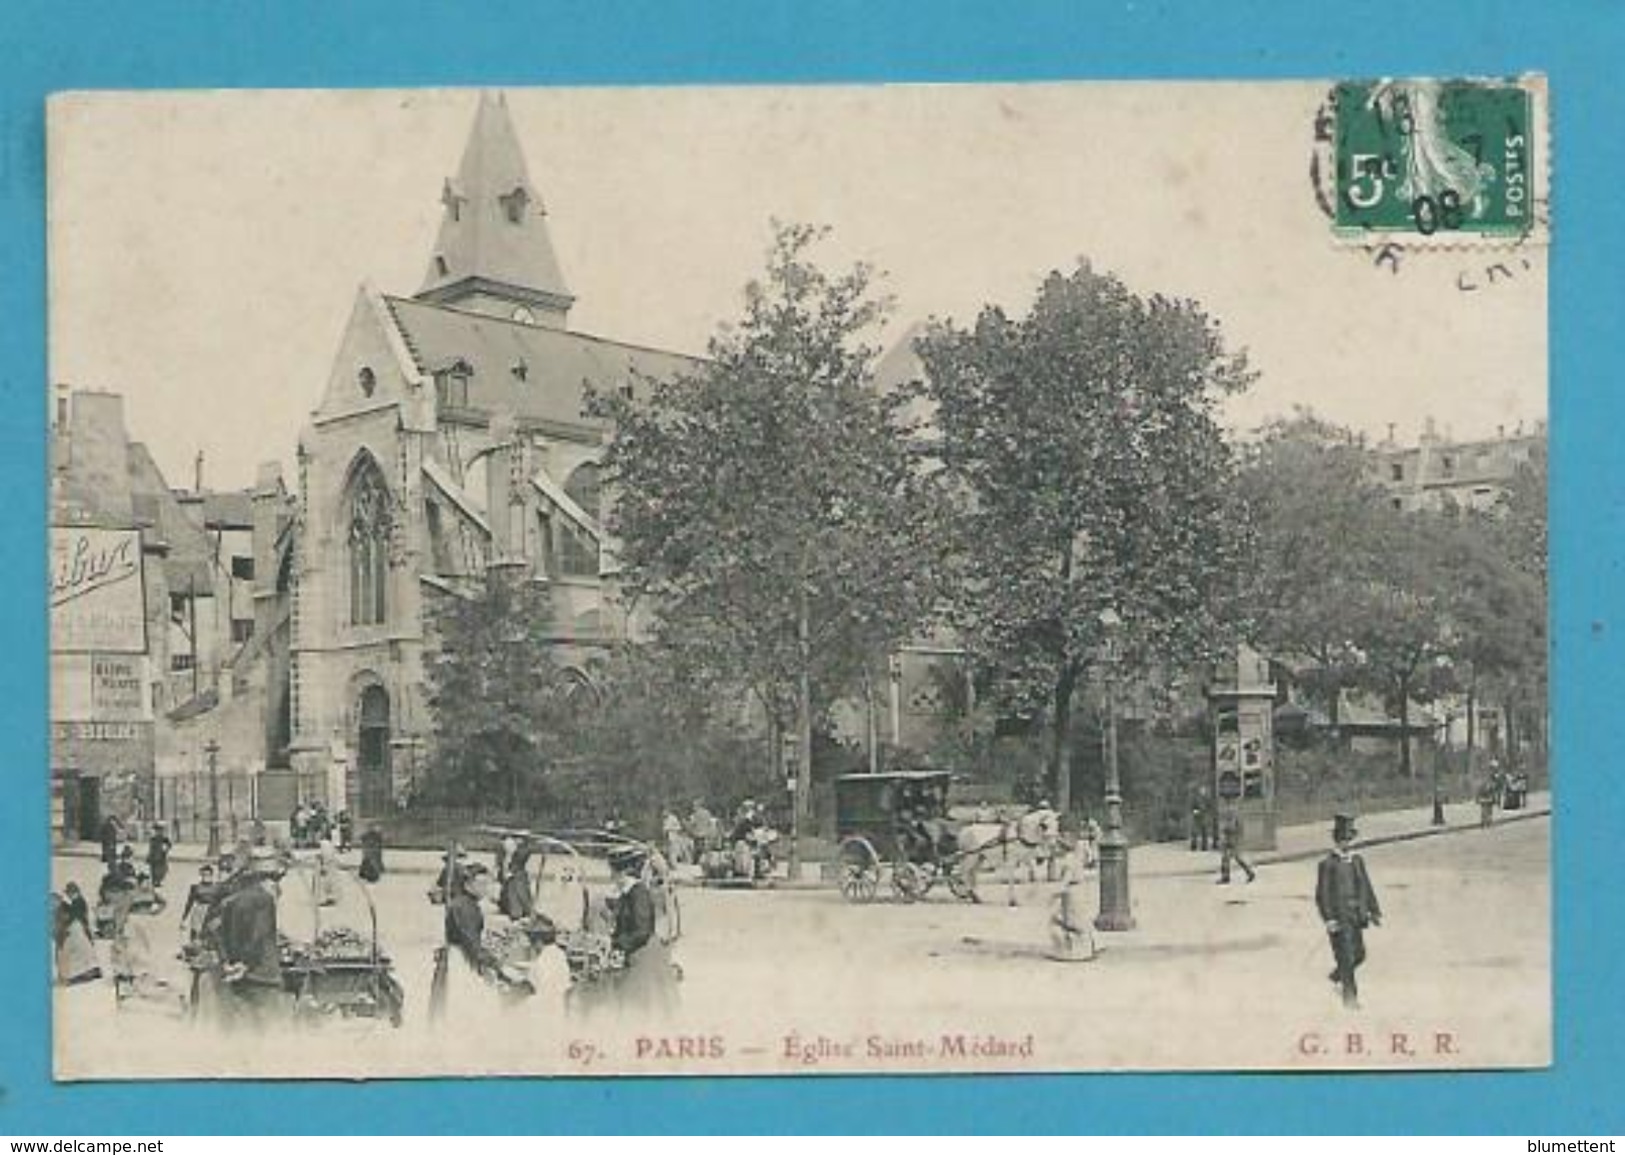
x,y
449,438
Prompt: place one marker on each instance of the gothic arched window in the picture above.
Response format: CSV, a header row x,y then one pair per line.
x,y
578,552
368,532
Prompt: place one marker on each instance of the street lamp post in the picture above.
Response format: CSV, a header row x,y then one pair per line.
x,y
1444,746
212,749
1115,913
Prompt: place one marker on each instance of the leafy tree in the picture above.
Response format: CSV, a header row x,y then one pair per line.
x,y
499,701
1317,518
1496,565
768,504
1402,622
660,734
1094,477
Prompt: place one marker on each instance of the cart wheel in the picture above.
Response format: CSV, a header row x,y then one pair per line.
x,y
860,870
909,881
859,883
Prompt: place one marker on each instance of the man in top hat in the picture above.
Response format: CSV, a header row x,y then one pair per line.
x,y
1347,905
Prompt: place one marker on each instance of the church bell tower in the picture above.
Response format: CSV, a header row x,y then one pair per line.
x,y
493,254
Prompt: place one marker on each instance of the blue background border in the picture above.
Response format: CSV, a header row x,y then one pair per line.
x,y
369,43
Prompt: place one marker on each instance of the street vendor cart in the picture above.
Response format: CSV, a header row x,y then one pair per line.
x,y
332,961
332,964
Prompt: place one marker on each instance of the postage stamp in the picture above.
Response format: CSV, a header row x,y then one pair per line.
x,y
1454,159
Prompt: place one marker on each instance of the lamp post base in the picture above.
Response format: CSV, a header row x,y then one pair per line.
x,y
213,849
1115,912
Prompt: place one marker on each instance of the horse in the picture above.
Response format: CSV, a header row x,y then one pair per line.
x,y
1013,847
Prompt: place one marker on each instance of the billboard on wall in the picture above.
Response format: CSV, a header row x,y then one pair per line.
x,y
98,602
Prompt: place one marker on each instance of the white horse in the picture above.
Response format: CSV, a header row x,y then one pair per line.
x,y
1014,849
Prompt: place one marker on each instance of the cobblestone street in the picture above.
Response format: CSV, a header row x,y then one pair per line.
x,y
800,980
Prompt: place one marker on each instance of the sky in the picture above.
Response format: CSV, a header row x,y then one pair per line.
x,y
205,248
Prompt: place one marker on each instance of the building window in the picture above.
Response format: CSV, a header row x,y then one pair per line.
x,y
241,630
180,661
1397,470
513,205
578,552
1449,463
544,545
451,385
1398,504
368,380
242,569
441,269
369,546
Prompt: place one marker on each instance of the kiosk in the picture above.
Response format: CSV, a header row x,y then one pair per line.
x,y
1244,748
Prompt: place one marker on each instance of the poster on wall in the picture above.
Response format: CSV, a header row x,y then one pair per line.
x,y
98,601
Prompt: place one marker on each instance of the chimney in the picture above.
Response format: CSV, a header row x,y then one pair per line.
x,y
197,473
1501,432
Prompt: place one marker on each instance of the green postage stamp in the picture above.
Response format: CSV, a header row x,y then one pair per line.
x,y
1448,159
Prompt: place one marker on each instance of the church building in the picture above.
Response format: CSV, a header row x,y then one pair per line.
x,y
449,439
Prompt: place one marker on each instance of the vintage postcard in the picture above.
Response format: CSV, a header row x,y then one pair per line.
x,y
797,581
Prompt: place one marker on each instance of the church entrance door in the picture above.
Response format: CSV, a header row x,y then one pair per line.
x,y
372,761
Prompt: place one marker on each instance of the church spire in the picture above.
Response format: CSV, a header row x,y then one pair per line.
x,y
493,254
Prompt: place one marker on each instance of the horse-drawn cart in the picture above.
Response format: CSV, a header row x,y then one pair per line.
x,y
894,829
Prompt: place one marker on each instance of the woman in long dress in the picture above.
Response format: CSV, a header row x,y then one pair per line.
x,y
646,987
75,953
461,992
518,901
327,868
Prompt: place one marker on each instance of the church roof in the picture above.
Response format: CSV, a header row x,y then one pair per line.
x,y
493,229
535,373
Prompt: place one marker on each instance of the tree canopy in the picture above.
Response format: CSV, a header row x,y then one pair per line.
x,y
500,701
1094,477
768,506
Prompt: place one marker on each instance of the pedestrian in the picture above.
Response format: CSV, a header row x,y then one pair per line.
x,y
676,840
549,975
1486,805
516,898
158,847
372,854
1070,935
646,984
111,835
1199,822
1230,848
250,956
327,872
346,829
73,950
1347,905
462,960
200,896
1089,842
